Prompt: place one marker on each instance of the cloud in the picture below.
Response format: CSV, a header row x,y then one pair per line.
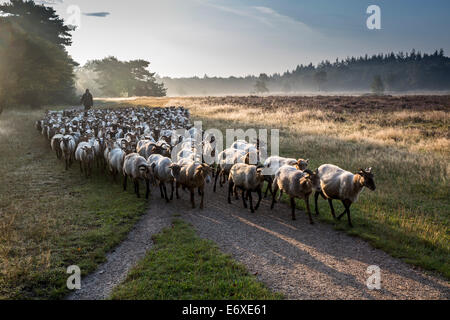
x,y
263,15
97,14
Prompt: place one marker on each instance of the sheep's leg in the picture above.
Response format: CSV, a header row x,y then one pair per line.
x,y
274,195
330,201
161,190
165,192
236,193
81,168
215,182
281,195
259,193
269,187
308,209
293,208
249,195
347,205
171,194
243,199
137,188
202,193
230,189
192,190
199,192
147,190
344,212
177,187
125,182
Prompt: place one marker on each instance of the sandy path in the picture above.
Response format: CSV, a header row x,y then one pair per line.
x,y
99,284
303,261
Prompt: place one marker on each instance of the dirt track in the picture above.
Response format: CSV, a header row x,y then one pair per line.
x,y
304,261
300,260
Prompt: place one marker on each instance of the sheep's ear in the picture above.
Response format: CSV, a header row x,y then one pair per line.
x,y
259,170
369,170
307,161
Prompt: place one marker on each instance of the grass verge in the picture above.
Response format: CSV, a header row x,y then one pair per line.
x,y
49,218
184,266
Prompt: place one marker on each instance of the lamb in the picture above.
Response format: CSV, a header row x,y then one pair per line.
x,y
249,179
272,164
85,154
192,176
297,184
67,146
137,168
163,173
338,184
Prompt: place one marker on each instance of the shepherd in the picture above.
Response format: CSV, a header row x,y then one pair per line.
x,y
87,100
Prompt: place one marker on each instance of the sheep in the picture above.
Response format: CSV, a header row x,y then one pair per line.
x,y
163,173
56,145
116,159
275,162
297,184
192,176
67,146
249,179
137,168
85,154
338,184
226,160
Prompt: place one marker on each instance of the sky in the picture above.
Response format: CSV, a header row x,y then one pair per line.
x,y
183,38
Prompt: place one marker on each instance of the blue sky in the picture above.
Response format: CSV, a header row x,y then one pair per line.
x,y
231,37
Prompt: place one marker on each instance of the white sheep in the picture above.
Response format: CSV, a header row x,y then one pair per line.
x,y
247,178
67,146
338,184
163,173
226,160
274,163
137,168
296,184
85,155
116,158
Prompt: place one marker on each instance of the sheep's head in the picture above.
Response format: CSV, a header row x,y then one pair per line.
x,y
89,150
313,177
203,171
260,175
145,171
302,164
368,178
176,169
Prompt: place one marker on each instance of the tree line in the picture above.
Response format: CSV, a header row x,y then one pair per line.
x,y
36,69
395,72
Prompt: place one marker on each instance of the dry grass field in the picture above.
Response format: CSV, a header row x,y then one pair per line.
x,y
405,139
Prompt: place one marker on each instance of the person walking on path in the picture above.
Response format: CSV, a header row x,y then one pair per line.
x,y
87,100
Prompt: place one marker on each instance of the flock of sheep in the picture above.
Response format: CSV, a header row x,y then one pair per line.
x,y
146,144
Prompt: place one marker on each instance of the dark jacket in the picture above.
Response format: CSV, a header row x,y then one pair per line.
x,y
87,100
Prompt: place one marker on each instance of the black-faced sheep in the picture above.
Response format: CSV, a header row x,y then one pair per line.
x,y
296,184
247,178
338,184
192,176
137,168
